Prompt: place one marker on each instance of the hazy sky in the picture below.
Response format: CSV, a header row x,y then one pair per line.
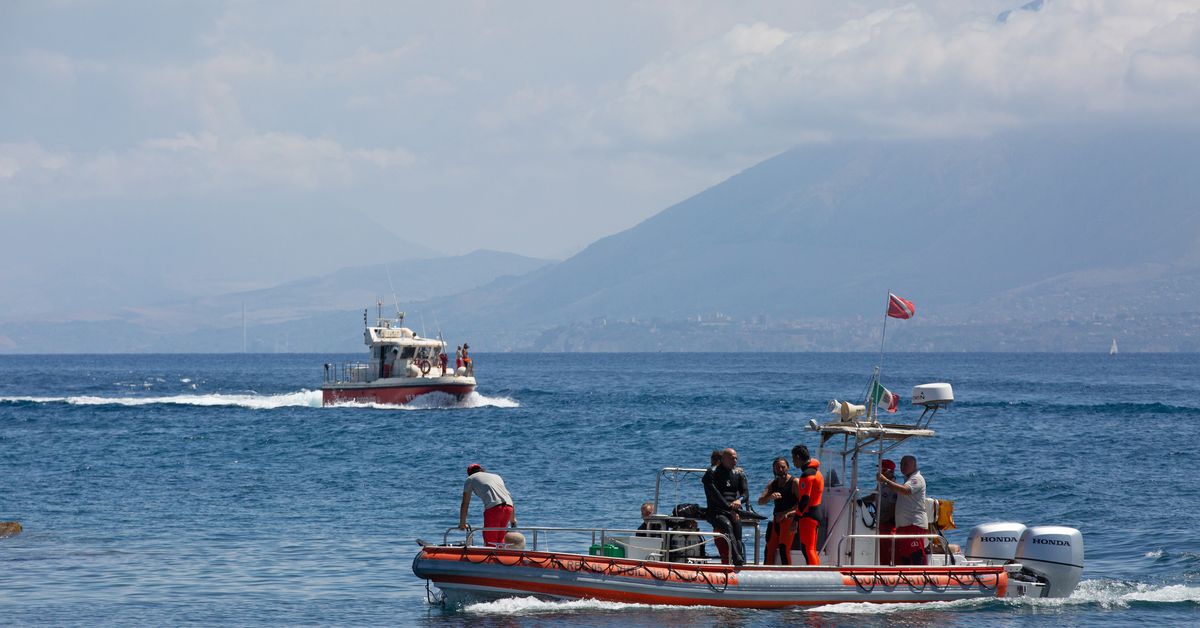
x,y
531,127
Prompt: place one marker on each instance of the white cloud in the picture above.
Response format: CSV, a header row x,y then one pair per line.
x,y
903,71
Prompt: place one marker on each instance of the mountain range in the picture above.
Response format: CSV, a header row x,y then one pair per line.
x,y
995,238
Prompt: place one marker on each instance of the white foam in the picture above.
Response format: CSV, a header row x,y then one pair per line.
x,y
869,608
303,398
1106,594
532,605
440,401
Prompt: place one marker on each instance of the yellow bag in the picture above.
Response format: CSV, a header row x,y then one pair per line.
x,y
945,514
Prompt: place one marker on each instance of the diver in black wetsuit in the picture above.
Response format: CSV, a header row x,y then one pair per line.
x,y
724,486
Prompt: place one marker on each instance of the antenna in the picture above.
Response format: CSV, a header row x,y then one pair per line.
x,y
396,299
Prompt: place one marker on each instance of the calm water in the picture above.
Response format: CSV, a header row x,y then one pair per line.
x,y
159,490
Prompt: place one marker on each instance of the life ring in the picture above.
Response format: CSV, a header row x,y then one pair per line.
x,y
424,365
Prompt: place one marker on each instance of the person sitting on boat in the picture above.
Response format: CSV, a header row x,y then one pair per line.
x,y
811,489
647,512
783,489
497,503
886,516
724,484
910,512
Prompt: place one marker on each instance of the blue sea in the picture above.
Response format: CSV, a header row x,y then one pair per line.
x,y
215,489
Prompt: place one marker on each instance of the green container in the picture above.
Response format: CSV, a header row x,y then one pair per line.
x,y
615,551
595,549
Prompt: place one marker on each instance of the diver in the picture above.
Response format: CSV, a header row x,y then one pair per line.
x,y
724,484
811,488
784,490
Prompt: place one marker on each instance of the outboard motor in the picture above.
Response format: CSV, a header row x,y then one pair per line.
x,y
994,543
1053,555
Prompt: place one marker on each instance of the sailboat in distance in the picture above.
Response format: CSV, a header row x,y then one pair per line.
x,y
1113,349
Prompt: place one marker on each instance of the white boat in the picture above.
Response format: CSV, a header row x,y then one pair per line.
x,y
402,367
1000,559
1113,349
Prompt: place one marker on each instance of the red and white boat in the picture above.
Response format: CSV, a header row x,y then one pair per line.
x,y
664,565
402,367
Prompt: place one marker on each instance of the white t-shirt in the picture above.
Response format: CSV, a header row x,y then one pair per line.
x,y
910,509
489,487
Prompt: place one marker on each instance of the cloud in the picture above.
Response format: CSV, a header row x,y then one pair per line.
x,y
192,163
903,71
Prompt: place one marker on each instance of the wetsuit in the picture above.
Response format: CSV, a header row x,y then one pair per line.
x,y
722,487
781,531
812,486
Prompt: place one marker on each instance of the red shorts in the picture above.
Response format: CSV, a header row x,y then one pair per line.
x,y
496,517
910,551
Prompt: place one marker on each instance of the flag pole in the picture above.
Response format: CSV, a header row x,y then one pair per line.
x,y
886,303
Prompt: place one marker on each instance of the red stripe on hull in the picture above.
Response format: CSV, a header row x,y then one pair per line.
x,y
396,395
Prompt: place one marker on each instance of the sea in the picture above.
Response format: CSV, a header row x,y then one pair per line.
x,y
182,489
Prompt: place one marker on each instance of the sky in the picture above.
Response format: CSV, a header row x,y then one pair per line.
x,y
530,127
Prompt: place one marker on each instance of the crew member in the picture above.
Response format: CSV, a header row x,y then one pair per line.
x,y
647,512
784,491
811,488
497,503
457,358
910,512
886,513
467,360
442,359
723,486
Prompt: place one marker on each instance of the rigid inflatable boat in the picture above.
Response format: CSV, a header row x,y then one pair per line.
x,y
665,563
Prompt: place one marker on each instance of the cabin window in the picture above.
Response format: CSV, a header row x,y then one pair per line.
x,y
407,352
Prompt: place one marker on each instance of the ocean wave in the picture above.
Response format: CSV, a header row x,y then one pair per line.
x,y
303,398
533,606
1151,408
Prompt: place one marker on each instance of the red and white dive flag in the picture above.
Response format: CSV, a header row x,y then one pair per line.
x,y
900,308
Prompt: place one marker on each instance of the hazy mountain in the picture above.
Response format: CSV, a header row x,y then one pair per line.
x,y
823,231
120,257
1043,239
317,313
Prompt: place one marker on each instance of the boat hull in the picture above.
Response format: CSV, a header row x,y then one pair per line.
x,y
486,573
396,391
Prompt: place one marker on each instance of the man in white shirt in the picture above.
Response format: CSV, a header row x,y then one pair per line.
x,y
497,503
910,512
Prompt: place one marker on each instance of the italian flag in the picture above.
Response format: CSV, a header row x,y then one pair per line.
x,y
883,398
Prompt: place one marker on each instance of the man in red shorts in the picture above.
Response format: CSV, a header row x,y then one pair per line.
x,y
497,503
910,512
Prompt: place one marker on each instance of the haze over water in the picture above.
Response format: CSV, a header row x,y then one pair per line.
x,y
173,489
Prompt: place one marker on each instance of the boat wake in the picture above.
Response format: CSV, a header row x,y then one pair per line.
x,y
303,398
299,399
534,606
439,401
1105,594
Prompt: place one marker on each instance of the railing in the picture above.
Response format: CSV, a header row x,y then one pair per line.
x,y
945,546
541,541
677,474
350,373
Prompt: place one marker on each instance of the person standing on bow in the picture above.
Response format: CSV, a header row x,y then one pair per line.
x,y
724,484
784,491
811,490
910,511
467,360
497,503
